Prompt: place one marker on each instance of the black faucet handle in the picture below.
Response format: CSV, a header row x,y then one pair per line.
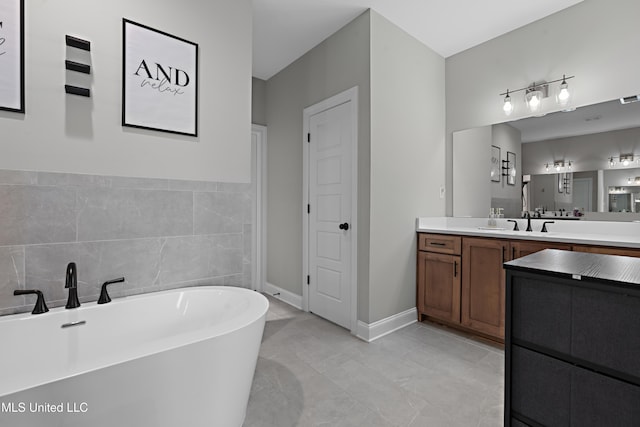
x,y
544,226
515,224
104,295
41,306
71,280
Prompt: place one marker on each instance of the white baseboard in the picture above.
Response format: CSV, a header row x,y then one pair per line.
x,y
372,331
283,295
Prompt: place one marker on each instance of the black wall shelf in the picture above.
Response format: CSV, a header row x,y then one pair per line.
x,y
78,43
75,90
76,66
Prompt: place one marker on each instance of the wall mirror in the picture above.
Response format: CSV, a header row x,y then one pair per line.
x,y
585,160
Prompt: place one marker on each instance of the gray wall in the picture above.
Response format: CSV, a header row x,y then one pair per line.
x,y
162,210
66,133
338,63
157,233
596,40
258,101
407,160
400,155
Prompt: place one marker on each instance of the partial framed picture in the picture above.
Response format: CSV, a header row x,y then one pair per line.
x,y
159,80
496,172
12,55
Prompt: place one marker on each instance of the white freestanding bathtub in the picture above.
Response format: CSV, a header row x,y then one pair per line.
x,y
184,357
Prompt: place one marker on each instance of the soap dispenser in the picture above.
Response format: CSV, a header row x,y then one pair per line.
x,y
492,218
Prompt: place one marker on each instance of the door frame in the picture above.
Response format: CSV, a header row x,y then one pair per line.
x,y
259,211
349,95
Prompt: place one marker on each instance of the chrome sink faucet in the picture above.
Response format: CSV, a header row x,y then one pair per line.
x,y
71,283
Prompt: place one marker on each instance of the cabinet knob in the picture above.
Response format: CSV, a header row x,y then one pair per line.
x,y
344,226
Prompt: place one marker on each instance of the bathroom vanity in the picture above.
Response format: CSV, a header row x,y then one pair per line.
x,y
460,274
572,340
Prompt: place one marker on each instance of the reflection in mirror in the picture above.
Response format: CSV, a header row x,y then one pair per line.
x,y
581,164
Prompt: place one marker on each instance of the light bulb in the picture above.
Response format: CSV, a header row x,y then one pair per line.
x,y
557,166
507,107
625,162
546,167
533,99
564,95
612,162
569,166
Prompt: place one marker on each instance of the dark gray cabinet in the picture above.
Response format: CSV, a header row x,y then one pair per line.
x,y
572,340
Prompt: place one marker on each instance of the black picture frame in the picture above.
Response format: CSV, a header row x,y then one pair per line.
x,y
159,80
12,54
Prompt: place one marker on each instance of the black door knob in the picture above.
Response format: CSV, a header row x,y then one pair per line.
x,y
344,226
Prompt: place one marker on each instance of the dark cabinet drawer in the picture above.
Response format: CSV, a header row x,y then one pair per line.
x,y
540,387
613,318
598,400
541,313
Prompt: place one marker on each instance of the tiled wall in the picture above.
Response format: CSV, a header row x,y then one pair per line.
x,y
157,233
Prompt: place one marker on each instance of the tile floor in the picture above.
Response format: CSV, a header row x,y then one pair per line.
x,y
311,372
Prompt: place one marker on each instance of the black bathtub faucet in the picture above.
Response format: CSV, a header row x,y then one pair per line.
x,y
104,295
71,283
41,306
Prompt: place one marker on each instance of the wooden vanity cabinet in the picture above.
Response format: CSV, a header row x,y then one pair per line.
x,y
438,277
461,280
482,297
520,248
607,250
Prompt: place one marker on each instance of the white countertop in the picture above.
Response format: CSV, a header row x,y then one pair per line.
x,y
602,233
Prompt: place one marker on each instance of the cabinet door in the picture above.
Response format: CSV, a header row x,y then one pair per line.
x,y
439,286
483,281
520,248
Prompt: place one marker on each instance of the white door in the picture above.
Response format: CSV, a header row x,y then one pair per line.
x,y
582,190
329,212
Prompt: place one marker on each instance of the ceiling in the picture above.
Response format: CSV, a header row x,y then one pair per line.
x,y
284,30
595,118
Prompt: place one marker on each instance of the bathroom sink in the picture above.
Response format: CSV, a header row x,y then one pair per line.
x,y
492,228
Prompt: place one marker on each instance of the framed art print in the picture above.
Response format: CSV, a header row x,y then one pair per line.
x,y
159,80
12,55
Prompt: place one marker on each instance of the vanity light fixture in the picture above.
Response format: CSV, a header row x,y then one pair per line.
x,y
536,92
612,162
559,165
626,159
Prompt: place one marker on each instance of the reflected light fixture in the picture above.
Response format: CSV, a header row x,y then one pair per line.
x,y
626,159
558,165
